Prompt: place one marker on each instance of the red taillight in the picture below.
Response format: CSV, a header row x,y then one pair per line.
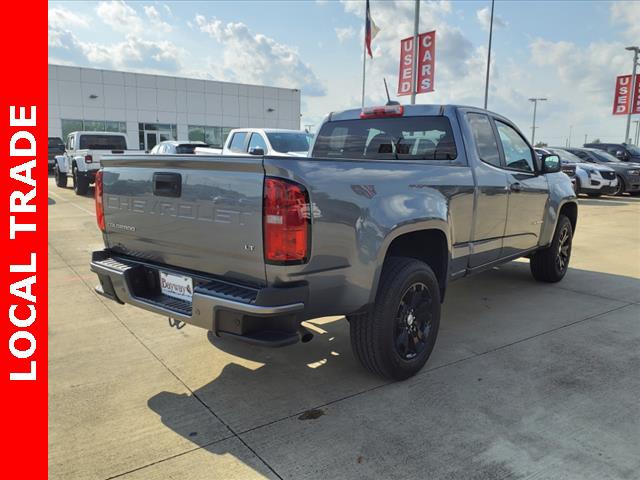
x,y
99,201
383,111
286,220
88,159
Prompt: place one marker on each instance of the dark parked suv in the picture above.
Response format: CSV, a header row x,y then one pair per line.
x,y
622,151
56,147
628,173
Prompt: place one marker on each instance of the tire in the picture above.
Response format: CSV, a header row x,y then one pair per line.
x,y
551,264
578,187
620,188
389,340
61,178
80,183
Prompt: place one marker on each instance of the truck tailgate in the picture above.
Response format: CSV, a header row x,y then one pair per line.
x,y
191,212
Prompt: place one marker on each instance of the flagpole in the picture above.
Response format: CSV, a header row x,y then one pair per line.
x,y
364,62
486,82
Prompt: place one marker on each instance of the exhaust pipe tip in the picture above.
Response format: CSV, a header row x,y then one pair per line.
x,y
305,334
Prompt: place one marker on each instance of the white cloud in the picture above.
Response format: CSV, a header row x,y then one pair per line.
x,y
156,20
61,18
256,58
344,33
120,16
484,18
627,15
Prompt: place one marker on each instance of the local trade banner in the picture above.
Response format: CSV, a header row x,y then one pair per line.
x,y
23,262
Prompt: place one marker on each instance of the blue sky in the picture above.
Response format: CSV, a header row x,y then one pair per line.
x,y
568,51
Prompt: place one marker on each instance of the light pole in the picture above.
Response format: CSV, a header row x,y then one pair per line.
x,y
569,139
637,122
632,104
535,109
486,81
416,28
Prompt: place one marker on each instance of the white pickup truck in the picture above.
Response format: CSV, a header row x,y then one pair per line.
x,y
81,159
262,141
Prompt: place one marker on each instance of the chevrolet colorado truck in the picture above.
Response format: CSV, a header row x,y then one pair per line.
x,y
393,203
81,160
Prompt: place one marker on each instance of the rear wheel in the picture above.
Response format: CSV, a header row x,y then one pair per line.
x,y
80,183
551,264
395,339
61,178
621,186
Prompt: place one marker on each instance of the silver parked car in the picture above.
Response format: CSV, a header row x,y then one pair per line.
x,y
591,179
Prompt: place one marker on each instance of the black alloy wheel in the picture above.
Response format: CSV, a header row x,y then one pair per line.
x,y
564,248
413,321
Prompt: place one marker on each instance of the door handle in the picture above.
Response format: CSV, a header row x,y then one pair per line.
x,y
515,187
167,184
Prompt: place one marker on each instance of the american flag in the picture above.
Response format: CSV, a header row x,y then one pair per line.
x,y
370,30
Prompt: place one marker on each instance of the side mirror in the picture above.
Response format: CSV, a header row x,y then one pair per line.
x,y
621,154
551,163
256,151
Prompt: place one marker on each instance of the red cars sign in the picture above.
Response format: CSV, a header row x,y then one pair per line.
x,y
426,61
636,103
425,64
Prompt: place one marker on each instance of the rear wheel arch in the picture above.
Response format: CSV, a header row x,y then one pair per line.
x,y
429,245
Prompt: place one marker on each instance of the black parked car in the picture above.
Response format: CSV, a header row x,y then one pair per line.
x,y
56,147
628,173
622,151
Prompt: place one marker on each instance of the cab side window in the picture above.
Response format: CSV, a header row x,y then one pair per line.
x,y
517,154
237,142
485,140
257,142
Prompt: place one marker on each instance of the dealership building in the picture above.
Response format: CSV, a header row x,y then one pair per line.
x,y
153,108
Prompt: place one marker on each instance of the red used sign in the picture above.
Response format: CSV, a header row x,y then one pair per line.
x,y
426,61
622,95
425,67
405,79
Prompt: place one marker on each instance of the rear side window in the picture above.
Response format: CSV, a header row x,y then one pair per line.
x,y
485,140
102,142
237,142
405,138
187,148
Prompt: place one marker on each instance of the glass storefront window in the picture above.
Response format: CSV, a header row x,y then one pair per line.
x,y
69,126
210,135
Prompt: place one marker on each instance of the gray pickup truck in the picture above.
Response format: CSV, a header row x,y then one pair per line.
x,y
392,204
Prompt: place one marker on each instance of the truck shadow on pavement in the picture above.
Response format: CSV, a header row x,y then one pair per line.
x,y
481,315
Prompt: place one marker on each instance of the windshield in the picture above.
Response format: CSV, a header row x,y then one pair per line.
x,y
605,157
285,142
635,151
55,142
565,156
402,138
103,142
